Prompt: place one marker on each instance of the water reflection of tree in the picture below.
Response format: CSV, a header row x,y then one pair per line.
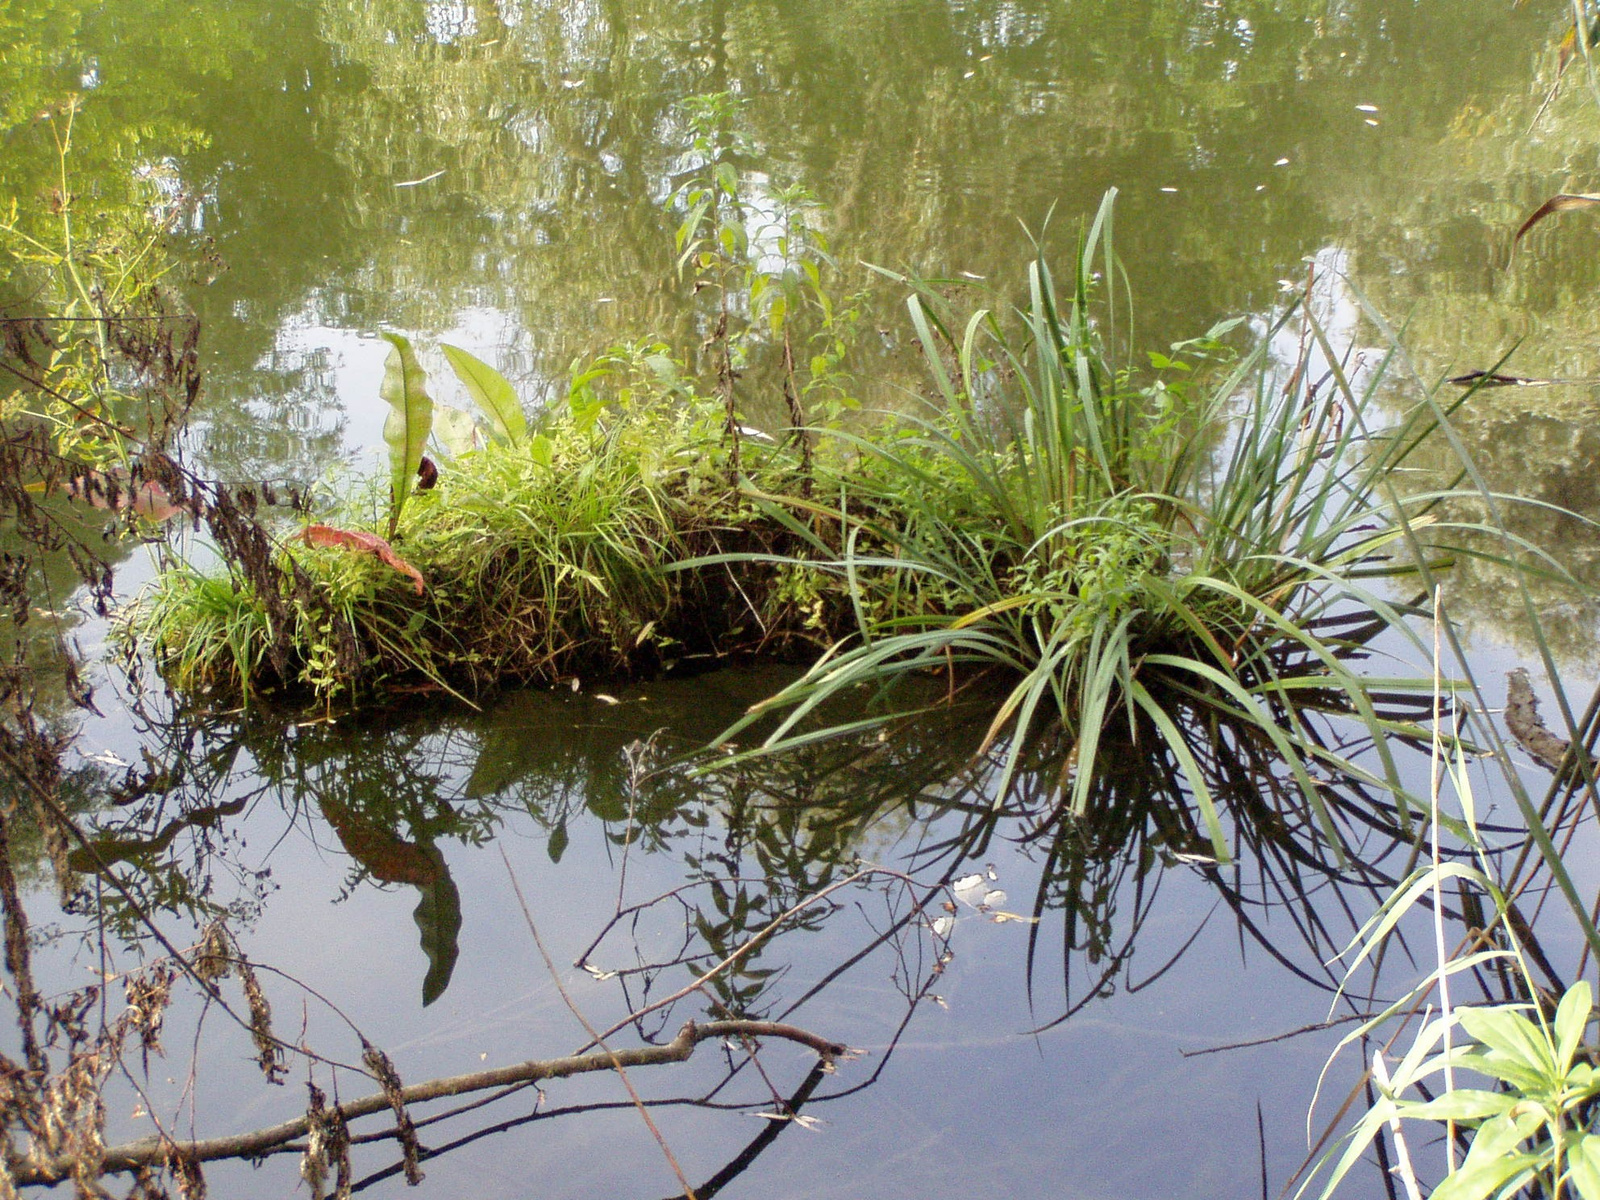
x,y
926,129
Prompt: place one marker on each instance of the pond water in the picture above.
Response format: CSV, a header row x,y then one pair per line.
x,y
498,175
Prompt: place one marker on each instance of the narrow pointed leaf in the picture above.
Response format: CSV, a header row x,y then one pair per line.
x,y
1556,204
410,419
492,392
1583,1160
1572,1017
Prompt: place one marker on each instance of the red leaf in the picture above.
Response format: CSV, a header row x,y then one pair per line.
x,y
1556,204
352,539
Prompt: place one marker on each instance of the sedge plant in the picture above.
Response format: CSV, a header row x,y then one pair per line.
x,y
1122,547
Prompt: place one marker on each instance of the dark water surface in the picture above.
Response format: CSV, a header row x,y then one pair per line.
x,y
496,175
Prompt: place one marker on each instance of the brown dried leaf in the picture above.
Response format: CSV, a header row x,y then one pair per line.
x,y
327,1146
187,1174
1565,202
388,1079
213,958
268,1053
354,539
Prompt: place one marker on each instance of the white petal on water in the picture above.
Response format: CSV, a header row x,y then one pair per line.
x,y
967,888
605,699
801,1120
943,926
1366,108
993,898
1282,162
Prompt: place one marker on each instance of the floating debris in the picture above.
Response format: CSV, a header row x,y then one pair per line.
x,y
969,889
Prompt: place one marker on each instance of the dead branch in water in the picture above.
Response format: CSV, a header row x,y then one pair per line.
x,y
155,1152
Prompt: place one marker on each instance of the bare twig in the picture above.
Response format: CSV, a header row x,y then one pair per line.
x,y
755,940
1314,1027
151,1151
644,1113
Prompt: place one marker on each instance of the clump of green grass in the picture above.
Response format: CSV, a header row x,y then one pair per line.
x,y
540,561
1176,552
1121,547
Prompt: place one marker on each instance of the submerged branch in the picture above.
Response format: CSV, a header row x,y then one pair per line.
x,y
154,1152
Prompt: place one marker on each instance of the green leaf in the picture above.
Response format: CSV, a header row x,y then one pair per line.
x,y
1499,1136
1476,1182
557,845
541,450
491,391
455,429
405,388
1512,1034
1493,1159
1463,1104
1514,1072
1572,1018
1583,1165
438,917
